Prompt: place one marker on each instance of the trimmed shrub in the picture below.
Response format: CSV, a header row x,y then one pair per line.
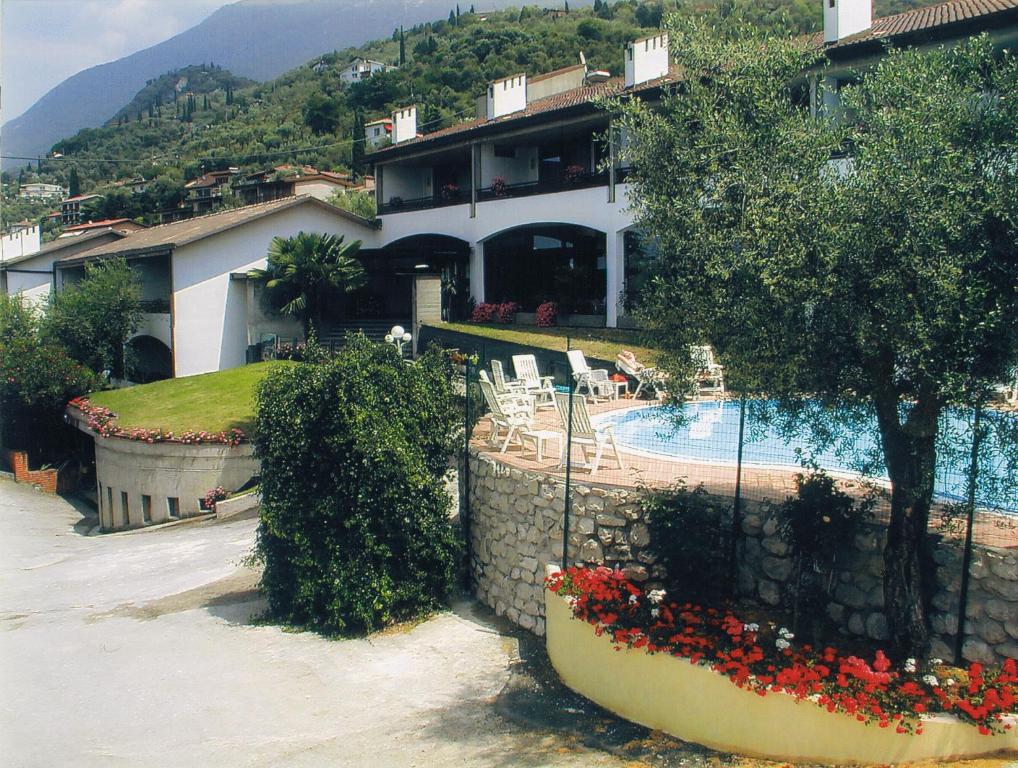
x,y
547,314
355,529
483,313
507,312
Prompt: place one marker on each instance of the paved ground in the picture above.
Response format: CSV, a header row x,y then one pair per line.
x,y
137,649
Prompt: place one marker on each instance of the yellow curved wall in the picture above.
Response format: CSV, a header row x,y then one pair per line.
x,y
699,705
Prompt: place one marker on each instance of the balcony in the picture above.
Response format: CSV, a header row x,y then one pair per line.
x,y
579,181
397,204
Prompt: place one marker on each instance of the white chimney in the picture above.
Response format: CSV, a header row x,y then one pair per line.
x,y
506,96
404,124
843,18
646,59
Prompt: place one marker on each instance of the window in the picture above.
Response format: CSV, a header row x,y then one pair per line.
x,y
173,507
109,504
146,508
123,508
504,150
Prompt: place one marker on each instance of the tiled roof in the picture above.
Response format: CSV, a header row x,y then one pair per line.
x,y
96,224
165,237
66,242
575,97
934,17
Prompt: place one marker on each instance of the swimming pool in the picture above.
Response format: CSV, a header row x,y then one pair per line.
x,y
709,434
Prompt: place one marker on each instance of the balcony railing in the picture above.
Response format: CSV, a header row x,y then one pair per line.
x,y
581,181
397,204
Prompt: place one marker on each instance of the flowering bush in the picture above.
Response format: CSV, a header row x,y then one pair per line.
x,y
483,313
215,495
506,311
574,172
499,188
547,314
763,658
102,421
450,191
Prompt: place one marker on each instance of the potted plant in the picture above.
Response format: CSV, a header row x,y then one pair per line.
x,y
499,188
450,191
574,173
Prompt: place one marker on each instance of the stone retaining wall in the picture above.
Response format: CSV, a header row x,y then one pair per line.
x,y
516,520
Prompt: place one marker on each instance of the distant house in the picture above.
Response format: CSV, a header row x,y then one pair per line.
x,y
378,133
205,192
362,69
290,180
319,66
136,185
19,240
70,209
36,190
124,226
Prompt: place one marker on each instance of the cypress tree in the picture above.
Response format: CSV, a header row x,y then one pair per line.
x,y
402,47
357,147
73,182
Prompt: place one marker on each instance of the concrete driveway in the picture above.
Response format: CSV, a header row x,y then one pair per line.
x,y
138,649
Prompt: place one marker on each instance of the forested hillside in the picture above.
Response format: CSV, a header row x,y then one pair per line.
x,y
308,116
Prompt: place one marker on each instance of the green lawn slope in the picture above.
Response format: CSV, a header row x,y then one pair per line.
x,y
212,402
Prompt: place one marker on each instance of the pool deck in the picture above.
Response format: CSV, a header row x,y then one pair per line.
x,y
758,484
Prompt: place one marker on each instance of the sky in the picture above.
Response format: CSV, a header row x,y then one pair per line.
x,y
43,42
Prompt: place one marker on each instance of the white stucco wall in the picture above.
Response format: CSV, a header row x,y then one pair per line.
x,y
31,278
20,243
515,170
210,309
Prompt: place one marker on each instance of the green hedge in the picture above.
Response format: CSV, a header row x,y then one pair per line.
x,y
355,521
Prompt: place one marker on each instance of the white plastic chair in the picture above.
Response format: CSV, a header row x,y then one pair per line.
x,y
645,376
710,375
584,433
502,385
541,387
595,381
506,414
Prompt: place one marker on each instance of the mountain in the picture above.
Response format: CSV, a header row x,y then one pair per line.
x,y
256,39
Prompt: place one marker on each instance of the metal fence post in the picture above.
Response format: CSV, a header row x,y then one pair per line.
x,y
568,451
733,566
966,559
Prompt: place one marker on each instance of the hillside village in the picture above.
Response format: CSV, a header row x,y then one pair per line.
x,y
674,348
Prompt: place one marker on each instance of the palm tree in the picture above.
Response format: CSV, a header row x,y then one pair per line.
x,y
305,269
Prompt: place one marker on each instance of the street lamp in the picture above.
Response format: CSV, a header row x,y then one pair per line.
x,y
398,337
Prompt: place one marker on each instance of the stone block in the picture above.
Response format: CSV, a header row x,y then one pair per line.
x,y
610,520
1005,589
944,601
1001,610
769,592
1005,568
751,524
856,625
585,526
1009,650
1011,627
876,626
940,649
591,552
606,535
770,526
776,546
851,596
836,613
777,568
639,535
974,649
875,597
991,631
635,573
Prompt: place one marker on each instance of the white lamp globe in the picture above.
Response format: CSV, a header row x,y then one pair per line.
x,y
407,337
388,338
397,331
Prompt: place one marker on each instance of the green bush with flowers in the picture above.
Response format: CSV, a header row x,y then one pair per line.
x,y
765,658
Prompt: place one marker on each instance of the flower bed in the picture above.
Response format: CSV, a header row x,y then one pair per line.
x,y
101,421
747,688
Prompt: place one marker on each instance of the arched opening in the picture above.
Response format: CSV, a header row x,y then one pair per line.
x,y
149,360
564,263
391,271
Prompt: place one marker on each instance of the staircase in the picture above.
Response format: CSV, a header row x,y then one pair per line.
x,y
375,330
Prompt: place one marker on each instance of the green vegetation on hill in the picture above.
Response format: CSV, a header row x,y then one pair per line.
x,y
212,402
210,86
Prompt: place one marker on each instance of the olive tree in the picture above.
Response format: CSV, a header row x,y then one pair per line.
x,y
884,280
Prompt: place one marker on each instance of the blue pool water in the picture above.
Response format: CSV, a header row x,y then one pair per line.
x,y
710,434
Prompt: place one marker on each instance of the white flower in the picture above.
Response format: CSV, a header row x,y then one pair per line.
x,y
655,612
931,680
785,633
632,599
910,665
949,682
656,596
936,662
782,644
751,627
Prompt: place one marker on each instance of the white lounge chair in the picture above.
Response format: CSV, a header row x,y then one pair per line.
x,y
541,387
595,381
502,385
710,375
645,376
508,413
584,433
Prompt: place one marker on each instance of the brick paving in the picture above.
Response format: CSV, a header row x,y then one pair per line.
x,y
758,485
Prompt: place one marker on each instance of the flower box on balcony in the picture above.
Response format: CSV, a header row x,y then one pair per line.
x,y
695,703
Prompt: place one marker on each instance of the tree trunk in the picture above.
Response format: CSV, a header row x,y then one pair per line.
x,y
910,455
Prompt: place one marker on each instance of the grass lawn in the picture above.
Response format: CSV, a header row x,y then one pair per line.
x,y
212,401
599,343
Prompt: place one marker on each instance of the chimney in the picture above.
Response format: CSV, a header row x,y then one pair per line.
x,y
646,59
506,96
404,124
843,18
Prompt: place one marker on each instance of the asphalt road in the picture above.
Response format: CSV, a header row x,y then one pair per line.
x,y
138,649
